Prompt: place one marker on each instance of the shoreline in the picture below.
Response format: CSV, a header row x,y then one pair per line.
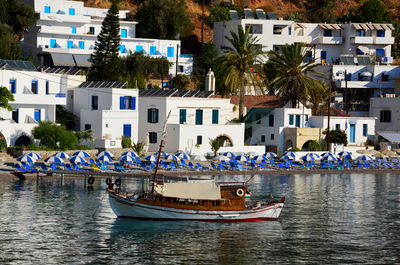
x,y
7,172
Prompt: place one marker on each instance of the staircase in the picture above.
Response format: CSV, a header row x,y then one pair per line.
x,y
6,158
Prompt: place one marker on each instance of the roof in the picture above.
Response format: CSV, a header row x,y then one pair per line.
x,y
17,65
393,137
102,84
61,70
250,102
175,93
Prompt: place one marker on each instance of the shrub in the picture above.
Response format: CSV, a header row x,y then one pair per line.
x,y
138,148
126,142
3,142
15,151
54,136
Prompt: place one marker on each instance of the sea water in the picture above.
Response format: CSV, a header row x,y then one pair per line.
x,y
327,219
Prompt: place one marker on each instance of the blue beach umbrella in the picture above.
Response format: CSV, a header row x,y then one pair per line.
x,y
62,155
289,153
287,157
129,153
316,156
26,158
365,158
308,157
221,158
329,157
81,154
171,158
151,158
348,157
183,155
77,160
241,158
104,153
259,158
344,153
34,155
104,158
54,159
162,155
270,155
127,158
229,154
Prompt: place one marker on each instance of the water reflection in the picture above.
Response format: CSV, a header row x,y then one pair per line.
x,y
328,218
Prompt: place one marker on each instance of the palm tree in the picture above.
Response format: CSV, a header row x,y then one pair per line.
x,y
242,60
318,97
293,71
215,145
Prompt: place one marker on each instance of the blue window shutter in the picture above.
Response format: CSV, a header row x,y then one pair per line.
x,y
127,129
139,48
170,52
53,43
47,9
82,44
73,30
37,115
291,119
122,48
199,117
124,33
215,113
70,44
153,50
13,86
133,103
122,102
71,11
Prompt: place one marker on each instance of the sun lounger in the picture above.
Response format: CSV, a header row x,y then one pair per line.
x,y
19,168
95,167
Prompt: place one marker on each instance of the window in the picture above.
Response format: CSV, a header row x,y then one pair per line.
x,y
289,31
199,139
291,119
170,52
70,44
386,116
122,49
81,44
124,33
73,29
348,77
139,48
272,136
91,31
337,126
127,102
182,116
88,127
34,86
47,9
365,129
13,86
360,32
215,114
254,28
71,11
152,115
380,33
95,102
37,115
258,118
15,115
53,43
327,33
263,138
271,121
127,130
199,116
277,30
323,56
153,50
180,68
152,137
306,117
47,87
297,120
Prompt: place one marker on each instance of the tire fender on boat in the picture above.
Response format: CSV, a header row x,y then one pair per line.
x,y
118,182
91,180
108,181
240,192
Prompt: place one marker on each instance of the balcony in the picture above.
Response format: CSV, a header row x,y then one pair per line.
x,y
362,40
29,99
330,40
61,18
384,40
302,39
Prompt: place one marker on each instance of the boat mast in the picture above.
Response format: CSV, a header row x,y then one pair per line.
x,y
159,152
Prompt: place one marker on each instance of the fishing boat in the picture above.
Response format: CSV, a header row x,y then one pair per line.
x,y
192,200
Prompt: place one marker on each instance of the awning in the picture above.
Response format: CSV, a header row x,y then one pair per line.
x,y
254,115
298,25
390,26
62,59
357,26
393,137
378,27
364,49
330,26
364,26
82,60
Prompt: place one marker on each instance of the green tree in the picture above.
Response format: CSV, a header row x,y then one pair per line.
x,y
19,16
318,96
181,81
370,11
138,148
85,135
126,142
215,145
163,19
54,136
242,59
336,136
104,59
5,98
290,67
320,11
64,117
10,47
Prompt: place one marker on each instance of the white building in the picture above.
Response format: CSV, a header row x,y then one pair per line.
x,y
66,32
108,109
195,119
36,95
328,42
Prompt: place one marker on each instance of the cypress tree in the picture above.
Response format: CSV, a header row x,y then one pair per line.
x,y
105,60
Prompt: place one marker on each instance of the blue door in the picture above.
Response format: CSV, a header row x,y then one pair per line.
x,y
53,43
124,33
82,44
153,50
379,53
170,51
37,115
139,48
352,133
127,130
71,11
122,48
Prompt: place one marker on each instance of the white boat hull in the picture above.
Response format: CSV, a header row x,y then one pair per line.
x,y
123,207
